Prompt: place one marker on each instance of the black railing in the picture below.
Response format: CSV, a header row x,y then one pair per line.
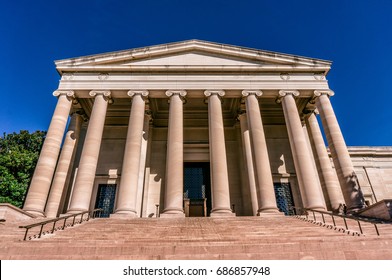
x,y
45,227
334,216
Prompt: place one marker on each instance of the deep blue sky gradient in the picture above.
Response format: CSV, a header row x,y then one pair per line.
x,y
355,35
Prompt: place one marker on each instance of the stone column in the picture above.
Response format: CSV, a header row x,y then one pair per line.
x,y
341,158
85,177
263,176
328,178
173,204
218,160
43,174
127,195
63,165
310,190
249,161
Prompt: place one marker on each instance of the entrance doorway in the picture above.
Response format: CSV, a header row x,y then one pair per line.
x,y
284,198
105,199
197,189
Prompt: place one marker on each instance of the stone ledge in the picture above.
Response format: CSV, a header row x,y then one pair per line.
x,y
11,213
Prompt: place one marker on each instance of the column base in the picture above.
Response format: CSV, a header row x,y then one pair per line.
x,y
222,213
127,215
270,212
171,215
37,213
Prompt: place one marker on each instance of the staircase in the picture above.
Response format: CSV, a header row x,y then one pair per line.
x,y
199,238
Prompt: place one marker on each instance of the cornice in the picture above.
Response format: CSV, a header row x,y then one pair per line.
x,y
97,62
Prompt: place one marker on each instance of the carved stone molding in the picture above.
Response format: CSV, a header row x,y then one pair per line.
x,y
285,92
247,92
103,76
285,76
319,77
67,76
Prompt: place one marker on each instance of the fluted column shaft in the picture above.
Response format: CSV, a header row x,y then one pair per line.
x,y
328,178
263,176
311,192
218,160
43,174
63,166
127,195
341,158
173,204
84,182
249,161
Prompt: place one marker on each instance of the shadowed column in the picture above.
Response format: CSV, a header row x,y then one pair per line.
x,y
328,178
173,205
127,195
249,161
63,166
263,176
85,177
311,192
341,158
43,174
218,160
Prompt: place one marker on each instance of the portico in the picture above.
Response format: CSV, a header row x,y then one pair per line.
x,y
148,112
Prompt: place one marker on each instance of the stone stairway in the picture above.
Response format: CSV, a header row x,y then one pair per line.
x,y
198,238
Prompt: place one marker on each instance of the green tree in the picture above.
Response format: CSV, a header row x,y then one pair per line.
x,y
18,156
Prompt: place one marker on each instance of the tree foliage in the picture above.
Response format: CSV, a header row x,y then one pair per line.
x,y
18,156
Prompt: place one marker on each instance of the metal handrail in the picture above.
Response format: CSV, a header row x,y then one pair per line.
x,y
90,214
344,217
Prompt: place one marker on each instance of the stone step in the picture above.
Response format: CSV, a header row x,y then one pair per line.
x,y
196,238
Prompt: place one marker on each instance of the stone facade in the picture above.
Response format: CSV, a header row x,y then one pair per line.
x,y
231,130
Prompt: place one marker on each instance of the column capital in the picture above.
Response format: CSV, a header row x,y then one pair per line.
x,y
328,92
220,93
246,93
105,93
318,93
170,93
68,93
285,92
143,93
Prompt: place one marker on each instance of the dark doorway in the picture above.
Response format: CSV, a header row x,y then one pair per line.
x,y
105,199
284,198
197,189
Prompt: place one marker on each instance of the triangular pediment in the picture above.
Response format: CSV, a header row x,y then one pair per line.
x,y
192,55
192,59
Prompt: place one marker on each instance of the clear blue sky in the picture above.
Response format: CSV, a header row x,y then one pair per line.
x,y
355,35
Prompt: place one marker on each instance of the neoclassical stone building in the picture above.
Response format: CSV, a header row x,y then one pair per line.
x,y
196,128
